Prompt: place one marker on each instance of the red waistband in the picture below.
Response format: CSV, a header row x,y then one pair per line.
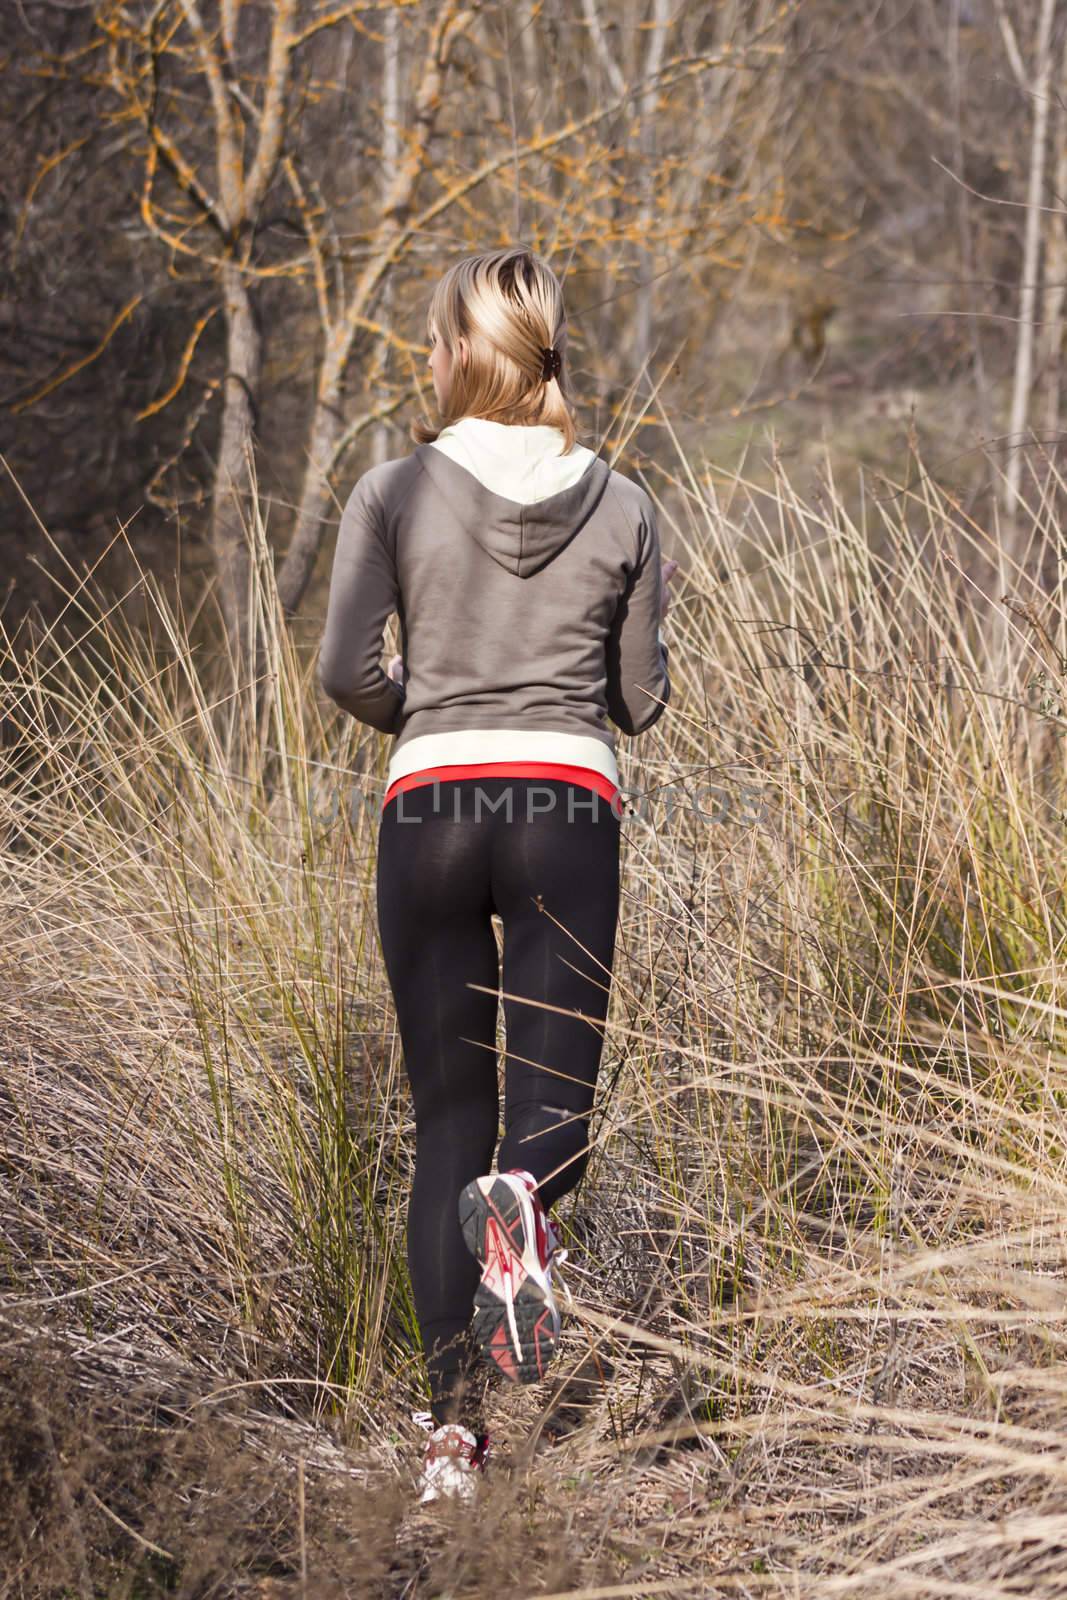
x,y
586,777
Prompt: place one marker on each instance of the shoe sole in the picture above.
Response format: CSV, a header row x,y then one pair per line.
x,y
516,1321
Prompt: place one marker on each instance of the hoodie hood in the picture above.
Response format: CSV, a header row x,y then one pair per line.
x,y
547,497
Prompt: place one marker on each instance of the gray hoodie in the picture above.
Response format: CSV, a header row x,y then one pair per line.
x,y
524,626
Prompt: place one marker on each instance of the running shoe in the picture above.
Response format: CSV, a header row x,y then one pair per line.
x,y
453,1459
516,1321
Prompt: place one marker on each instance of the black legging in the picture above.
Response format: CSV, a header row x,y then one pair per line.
x,y
449,856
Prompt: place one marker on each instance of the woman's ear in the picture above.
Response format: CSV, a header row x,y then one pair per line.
x,y
464,352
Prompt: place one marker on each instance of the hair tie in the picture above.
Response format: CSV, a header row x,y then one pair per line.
x,y
550,363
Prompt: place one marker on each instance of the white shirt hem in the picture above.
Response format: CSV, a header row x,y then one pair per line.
x,y
480,746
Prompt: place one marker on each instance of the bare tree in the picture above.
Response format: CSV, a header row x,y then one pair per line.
x,y
345,314
220,218
400,230
304,177
1035,82
1055,277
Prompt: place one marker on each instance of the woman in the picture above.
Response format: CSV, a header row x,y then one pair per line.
x,y
527,578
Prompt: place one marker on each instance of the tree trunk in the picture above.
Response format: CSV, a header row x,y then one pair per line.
x,y
1031,267
231,503
1051,340
644,309
391,113
294,574
328,421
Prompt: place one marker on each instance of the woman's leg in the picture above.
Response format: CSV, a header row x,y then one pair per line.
x,y
555,883
434,911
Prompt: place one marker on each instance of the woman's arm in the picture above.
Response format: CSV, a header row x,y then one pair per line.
x,y
637,653
363,594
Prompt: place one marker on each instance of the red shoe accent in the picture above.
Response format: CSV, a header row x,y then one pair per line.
x,y
544,1244
501,1352
544,1319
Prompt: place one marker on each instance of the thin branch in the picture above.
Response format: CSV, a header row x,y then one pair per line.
x,y
153,493
230,15
338,14
64,377
156,1549
46,165
229,165
993,199
600,45
1011,45
316,240
360,424
187,178
183,369
272,122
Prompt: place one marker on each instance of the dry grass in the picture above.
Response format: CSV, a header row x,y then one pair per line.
x,y
817,1339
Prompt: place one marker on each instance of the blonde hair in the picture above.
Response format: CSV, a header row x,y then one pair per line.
x,y
508,305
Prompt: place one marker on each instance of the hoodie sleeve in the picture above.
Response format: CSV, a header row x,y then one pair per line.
x,y
363,592
637,653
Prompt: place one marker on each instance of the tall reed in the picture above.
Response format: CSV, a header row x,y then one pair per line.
x,y
817,1260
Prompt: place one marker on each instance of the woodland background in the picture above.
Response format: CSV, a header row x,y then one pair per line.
x,y
222,224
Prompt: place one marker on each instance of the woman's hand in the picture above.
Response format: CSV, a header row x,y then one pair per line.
x,y
395,669
669,569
